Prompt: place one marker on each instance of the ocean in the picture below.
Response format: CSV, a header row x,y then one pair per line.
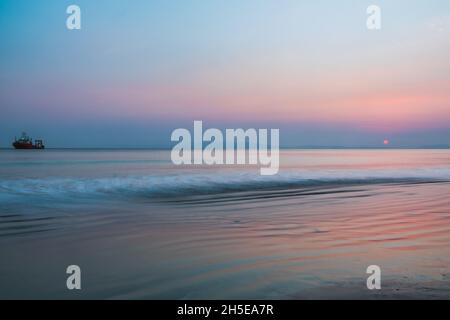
x,y
140,227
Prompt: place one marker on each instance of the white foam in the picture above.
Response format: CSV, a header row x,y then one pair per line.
x,y
211,182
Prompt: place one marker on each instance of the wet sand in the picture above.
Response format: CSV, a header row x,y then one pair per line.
x,y
313,246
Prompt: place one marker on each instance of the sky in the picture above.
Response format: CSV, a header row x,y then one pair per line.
x,y
139,69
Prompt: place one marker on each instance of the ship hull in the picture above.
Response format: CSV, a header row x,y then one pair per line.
x,y
25,146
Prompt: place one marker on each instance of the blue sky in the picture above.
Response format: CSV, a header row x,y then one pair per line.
x,y
139,69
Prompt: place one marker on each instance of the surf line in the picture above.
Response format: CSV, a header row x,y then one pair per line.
x,y
240,147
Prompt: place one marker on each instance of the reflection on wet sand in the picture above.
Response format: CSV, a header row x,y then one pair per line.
x,y
304,243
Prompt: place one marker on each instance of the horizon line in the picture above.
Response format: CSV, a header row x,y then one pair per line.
x,y
443,147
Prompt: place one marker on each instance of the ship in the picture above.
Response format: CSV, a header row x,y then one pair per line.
x,y
25,142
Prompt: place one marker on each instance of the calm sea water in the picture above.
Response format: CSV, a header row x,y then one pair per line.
x,y
140,227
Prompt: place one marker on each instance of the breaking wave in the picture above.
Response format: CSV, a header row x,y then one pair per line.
x,y
176,185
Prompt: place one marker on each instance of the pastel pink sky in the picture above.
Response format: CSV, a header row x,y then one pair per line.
x,y
286,63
